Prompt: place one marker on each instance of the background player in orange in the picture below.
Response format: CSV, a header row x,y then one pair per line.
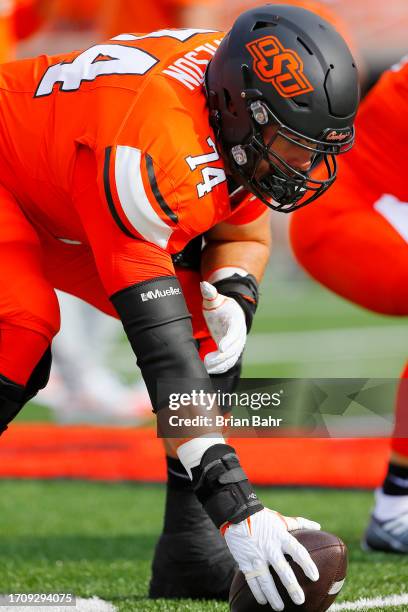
x,y
19,19
355,243
119,165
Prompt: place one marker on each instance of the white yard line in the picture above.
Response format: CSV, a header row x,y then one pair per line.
x,y
93,604
371,604
327,344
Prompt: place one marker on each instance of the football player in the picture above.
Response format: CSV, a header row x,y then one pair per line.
x,y
116,157
355,244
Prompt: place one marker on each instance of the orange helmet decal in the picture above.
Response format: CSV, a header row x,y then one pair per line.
x,y
281,67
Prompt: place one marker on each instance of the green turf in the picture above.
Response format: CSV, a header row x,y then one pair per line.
x,y
97,539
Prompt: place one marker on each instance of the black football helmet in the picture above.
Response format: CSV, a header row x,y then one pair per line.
x,y
286,67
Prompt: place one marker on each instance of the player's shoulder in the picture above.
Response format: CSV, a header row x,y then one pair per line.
x,y
170,123
180,55
170,43
155,84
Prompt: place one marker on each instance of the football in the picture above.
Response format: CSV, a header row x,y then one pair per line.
x,y
330,555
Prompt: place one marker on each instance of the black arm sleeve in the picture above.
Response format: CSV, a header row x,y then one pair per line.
x,y
158,326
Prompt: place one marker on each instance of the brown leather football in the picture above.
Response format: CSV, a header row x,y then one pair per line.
x,y
330,555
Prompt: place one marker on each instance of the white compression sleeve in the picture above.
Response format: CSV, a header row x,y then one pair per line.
x,y
191,452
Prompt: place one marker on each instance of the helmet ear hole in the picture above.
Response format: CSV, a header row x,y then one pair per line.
x,y
300,103
260,25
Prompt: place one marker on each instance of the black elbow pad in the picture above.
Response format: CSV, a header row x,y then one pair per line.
x,y
158,325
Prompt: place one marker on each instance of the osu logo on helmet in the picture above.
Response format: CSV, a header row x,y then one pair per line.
x,y
281,67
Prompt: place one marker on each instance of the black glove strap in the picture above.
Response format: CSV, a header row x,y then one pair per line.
x,y
244,289
223,488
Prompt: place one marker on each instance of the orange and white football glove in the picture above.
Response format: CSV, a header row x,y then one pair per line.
x,y
264,539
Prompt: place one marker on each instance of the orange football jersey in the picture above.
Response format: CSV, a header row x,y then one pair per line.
x,y
137,102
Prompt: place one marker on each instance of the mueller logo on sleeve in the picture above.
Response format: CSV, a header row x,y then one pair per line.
x,y
160,293
281,67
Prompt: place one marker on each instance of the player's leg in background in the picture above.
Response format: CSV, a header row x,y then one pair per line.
x,y
388,528
191,558
85,386
29,312
399,444
356,243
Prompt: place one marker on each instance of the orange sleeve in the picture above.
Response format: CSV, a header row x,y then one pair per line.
x,y
138,194
122,260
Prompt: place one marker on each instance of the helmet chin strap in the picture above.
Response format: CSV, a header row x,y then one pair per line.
x,y
281,192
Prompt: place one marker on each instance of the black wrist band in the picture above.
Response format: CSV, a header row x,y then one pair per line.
x,y
244,289
222,486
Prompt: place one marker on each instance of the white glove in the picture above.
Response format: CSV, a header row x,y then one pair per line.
x,y
226,322
263,539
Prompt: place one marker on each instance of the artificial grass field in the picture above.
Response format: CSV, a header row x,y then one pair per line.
x,y
97,539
